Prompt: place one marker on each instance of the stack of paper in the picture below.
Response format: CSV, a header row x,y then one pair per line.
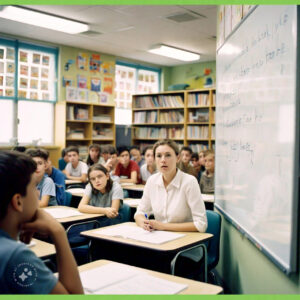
x,y
59,213
139,234
120,279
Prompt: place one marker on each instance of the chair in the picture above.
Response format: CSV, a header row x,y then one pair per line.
x,y
210,249
126,212
67,200
81,245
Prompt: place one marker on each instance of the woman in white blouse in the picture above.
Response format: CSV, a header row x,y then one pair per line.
x,y
172,196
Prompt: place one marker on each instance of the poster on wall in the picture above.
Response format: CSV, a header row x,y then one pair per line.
x,y
95,63
95,84
81,82
108,68
82,61
108,85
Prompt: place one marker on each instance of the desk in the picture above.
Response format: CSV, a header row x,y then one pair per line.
x,y
132,202
134,252
70,181
194,287
134,187
78,192
42,249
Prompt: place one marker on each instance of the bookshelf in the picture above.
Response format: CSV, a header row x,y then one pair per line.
x,y
184,116
89,123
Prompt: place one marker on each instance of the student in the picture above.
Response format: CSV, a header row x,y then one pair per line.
x,y
196,165
202,160
94,155
22,272
112,161
102,196
207,182
149,167
58,178
127,169
104,155
62,162
135,154
173,196
45,185
75,169
184,162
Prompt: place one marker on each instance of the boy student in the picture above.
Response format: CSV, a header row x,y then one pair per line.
x,y
45,185
112,161
196,164
184,162
127,169
135,154
149,167
22,272
75,169
207,182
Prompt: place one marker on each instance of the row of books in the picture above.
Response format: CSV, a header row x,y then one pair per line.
x,y
198,99
100,132
145,117
77,113
144,145
75,133
102,118
158,133
198,147
158,101
171,116
197,132
199,115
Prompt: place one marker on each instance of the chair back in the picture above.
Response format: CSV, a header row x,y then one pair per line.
x,y
213,247
125,211
67,199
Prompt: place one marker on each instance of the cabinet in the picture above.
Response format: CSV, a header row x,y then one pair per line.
x,y
184,116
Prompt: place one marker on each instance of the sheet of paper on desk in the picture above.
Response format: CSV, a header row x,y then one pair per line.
x,y
98,278
76,191
143,284
139,234
207,197
127,183
59,213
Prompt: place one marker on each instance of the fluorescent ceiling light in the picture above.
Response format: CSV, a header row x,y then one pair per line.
x,y
36,18
174,53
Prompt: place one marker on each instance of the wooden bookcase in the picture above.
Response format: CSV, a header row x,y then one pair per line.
x,y
184,116
89,123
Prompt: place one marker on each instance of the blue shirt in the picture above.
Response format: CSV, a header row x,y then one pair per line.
x,y
59,180
21,271
47,187
61,164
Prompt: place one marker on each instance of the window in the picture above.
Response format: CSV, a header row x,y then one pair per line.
x,y
27,92
132,79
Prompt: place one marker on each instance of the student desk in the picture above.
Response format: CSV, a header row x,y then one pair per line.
x,y
157,257
42,249
70,181
193,287
134,190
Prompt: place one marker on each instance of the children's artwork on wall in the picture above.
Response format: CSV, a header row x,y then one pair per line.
x,y
10,53
23,82
23,56
1,53
1,66
81,82
34,84
10,67
9,92
34,72
71,93
44,85
82,61
108,68
24,70
9,81
1,92
45,60
108,85
22,94
95,63
36,58
45,96
130,74
1,80
82,95
68,64
67,81
96,84
45,72
103,98
34,95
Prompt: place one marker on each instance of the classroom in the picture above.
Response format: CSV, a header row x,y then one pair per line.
x,y
100,84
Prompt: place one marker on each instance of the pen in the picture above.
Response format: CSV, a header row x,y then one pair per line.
x,y
146,216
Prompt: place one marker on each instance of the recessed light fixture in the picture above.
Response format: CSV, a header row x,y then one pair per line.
x,y
174,53
36,18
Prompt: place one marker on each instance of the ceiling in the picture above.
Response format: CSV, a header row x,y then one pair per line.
x,y
129,31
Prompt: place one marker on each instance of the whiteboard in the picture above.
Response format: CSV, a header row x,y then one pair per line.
x,y
257,155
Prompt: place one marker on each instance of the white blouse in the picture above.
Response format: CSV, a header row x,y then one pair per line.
x,y
180,202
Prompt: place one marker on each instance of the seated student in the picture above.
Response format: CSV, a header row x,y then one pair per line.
x,y
202,161
184,162
62,162
104,155
94,155
149,167
45,185
22,272
173,196
135,154
102,196
127,169
112,162
75,169
196,165
58,178
207,181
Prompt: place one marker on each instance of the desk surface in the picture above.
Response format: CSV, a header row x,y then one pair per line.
x,y
132,202
194,287
70,181
133,187
83,217
79,192
42,249
189,239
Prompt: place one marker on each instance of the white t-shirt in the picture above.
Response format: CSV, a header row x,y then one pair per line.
x,y
145,174
81,168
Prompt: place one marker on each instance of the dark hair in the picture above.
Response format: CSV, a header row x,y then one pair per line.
x,y
99,167
104,149
122,149
146,149
72,149
63,152
135,147
167,142
19,148
89,161
15,174
42,153
111,150
186,148
195,155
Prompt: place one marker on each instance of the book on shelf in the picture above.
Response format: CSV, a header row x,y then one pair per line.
x,y
77,113
145,117
158,133
159,101
198,132
198,99
171,116
102,118
199,115
198,147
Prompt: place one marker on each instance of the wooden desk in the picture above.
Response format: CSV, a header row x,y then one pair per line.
x,y
132,202
78,192
194,287
43,249
135,187
70,181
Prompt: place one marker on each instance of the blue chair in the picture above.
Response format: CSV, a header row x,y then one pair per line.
x,y
126,212
67,200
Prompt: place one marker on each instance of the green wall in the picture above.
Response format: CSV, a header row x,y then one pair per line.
x,y
245,270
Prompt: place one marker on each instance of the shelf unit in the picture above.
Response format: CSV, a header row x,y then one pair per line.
x,y
184,116
89,123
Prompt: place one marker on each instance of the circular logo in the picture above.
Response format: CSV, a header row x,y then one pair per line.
x,y
25,274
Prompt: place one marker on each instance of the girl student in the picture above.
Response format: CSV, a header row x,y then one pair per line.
x,y
102,195
94,155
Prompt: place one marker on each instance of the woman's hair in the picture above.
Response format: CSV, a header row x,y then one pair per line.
x,y
99,167
89,161
167,142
